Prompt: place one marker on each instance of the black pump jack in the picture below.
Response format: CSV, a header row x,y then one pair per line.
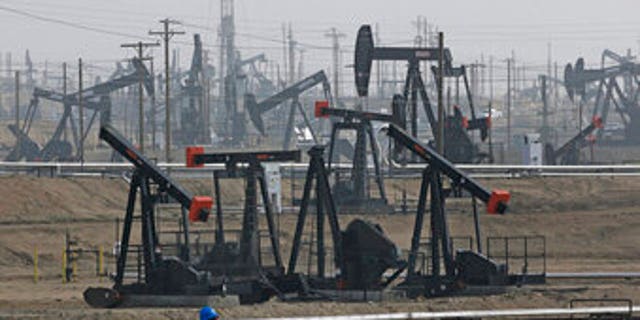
x,y
625,98
435,284
292,93
95,98
366,53
245,263
162,274
360,122
569,153
362,253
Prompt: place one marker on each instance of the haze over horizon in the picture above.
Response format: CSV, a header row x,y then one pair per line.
x,y
58,31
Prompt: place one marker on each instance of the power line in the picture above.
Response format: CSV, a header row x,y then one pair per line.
x,y
69,24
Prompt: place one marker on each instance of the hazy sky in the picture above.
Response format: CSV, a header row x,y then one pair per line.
x,y
472,27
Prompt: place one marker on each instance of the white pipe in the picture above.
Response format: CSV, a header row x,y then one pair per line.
x,y
537,312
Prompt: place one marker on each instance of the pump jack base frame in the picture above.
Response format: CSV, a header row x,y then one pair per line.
x,y
109,298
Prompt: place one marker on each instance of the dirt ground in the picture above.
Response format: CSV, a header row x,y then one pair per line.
x,y
590,224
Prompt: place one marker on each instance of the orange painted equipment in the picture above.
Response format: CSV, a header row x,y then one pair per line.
x,y
191,153
319,106
497,196
200,208
465,122
597,122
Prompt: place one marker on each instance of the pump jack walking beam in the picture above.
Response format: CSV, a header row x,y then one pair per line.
x,y
496,200
292,92
198,206
568,153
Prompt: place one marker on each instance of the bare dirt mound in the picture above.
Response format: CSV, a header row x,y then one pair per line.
x,y
26,198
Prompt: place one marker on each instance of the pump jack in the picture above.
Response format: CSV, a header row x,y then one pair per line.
x,y
163,275
457,142
355,192
240,264
361,253
569,153
95,98
466,266
459,147
366,53
292,93
625,100
194,126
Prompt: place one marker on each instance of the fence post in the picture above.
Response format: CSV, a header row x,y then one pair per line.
x,y
100,262
74,267
64,266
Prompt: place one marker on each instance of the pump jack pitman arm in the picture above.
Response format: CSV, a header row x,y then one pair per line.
x,y
496,200
199,206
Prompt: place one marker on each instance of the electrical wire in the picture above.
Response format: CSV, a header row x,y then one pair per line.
x,y
69,24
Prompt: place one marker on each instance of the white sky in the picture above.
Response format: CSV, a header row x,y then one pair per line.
x,y
472,27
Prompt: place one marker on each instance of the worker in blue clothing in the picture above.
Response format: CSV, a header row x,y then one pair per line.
x,y
208,313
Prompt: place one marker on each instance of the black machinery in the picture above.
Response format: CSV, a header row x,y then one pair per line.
x,y
94,98
569,153
163,275
233,129
458,147
465,266
624,97
194,118
240,264
362,253
354,193
292,93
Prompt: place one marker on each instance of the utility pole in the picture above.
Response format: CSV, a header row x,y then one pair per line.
x,y
301,63
425,39
17,87
166,35
509,62
81,112
545,110
153,107
140,46
64,90
292,57
441,115
555,99
8,64
483,76
490,80
284,54
491,158
335,37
